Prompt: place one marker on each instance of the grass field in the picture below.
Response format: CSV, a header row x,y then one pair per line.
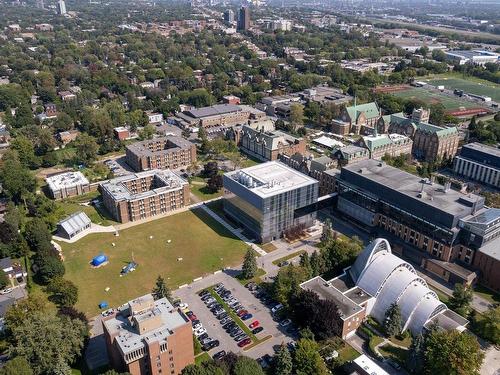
x,y
98,215
468,84
430,98
203,243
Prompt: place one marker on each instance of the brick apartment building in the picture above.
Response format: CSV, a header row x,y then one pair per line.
x,y
144,194
161,153
148,337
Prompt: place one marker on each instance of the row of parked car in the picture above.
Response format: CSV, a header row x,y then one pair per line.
x,y
199,331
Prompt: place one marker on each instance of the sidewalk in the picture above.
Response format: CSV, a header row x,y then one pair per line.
x,y
236,232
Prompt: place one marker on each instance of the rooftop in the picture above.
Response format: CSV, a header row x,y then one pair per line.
x,y
218,109
413,187
325,290
369,366
164,180
125,324
66,180
483,148
75,222
370,110
170,144
271,178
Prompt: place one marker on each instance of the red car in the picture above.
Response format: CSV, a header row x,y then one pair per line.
x,y
193,318
254,324
242,312
243,343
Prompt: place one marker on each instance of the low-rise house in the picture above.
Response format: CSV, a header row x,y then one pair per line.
x,y
66,95
67,136
121,133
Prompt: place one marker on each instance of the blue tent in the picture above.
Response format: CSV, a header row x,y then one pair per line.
x,y
98,260
103,305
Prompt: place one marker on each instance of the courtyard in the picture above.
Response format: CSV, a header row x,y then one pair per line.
x,y
180,248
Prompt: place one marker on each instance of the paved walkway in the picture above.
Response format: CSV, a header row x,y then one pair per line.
x,y
234,231
94,228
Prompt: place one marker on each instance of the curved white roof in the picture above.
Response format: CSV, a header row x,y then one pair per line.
x,y
392,280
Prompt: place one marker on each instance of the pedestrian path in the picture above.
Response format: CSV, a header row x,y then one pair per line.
x,y
236,232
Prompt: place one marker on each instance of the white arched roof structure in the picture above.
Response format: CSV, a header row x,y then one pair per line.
x,y
390,280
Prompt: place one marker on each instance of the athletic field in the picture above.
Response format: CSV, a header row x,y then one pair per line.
x,y
473,86
433,97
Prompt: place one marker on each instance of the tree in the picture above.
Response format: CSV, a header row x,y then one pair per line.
x,y
287,283
307,359
48,342
249,268
63,292
137,119
452,353
283,364
37,235
461,299
16,366
296,114
86,149
49,267
161,290
210,169
16,180
393,323
308,311
318,264
247,366
305,263
147,132
63,122
26,151
488,325
415,359
4,280
215,183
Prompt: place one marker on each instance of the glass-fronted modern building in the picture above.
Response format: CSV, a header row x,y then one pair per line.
x,y
270,198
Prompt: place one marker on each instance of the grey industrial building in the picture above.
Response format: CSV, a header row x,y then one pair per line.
x,y
270,198
445,231
479,163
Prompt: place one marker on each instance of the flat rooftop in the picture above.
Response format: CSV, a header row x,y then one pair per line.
x,y
483,148
326,291
271,178
66,180
413,187
127,337
174,144
214,110
167,181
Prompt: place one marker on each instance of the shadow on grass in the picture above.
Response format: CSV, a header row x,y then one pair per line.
x,y
398,354
213,224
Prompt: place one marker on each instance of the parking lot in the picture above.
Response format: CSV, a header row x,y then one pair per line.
x,y
249,302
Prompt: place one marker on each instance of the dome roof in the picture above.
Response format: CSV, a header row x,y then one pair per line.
x,y
392,280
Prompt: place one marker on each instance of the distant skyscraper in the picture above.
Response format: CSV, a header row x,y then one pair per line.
x,y
244,19
229,16
61,7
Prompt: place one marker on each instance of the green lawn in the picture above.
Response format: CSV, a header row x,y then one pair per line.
x,y
397,354
487,294
421,93
288,257
468,84
347,353
203,357
255,279
268,247
97,215
201,191
204,245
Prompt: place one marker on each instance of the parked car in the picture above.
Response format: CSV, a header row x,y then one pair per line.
x,y
285,322
200,332
219,355
240,313
244,342
246,317
197,326
193,317
183,306
203,337
394,364
194,322
254,324
108,312
276,308
257,330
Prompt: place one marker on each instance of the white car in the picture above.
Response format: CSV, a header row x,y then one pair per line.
x,y
200,332
276,308
197,326
6,291
183,306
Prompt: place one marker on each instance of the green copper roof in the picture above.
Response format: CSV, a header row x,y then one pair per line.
x,y
370,109
440,131
375,142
